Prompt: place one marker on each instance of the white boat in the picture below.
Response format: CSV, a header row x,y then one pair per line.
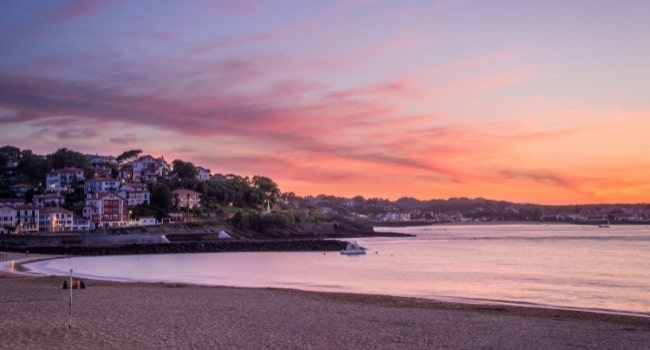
x,y
353,248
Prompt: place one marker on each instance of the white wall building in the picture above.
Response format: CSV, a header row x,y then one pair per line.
x,y
27,217
7,219
63,180
101,184
202,174
54,219
48,200
135,193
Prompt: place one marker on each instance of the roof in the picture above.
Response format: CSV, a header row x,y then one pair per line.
x,y
48,195
66,170
21,186
27,207
54,210
135,184
183,191
101,179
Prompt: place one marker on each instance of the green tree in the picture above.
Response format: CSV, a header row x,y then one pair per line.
x,y
161,199
269,189
184,170
8,154
32,168
128,156
64,158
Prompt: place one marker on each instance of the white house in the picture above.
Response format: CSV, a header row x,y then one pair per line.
x,y
7,219
135,193
148,168
11,202
63,180
55,219
101,165
27,217
81,224
101,184
202,174
48,200
183,198
147,221
19,190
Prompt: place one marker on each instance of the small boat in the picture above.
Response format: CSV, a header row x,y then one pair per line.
x,y
353,248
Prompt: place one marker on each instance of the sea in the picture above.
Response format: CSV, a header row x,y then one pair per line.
x,y
547,266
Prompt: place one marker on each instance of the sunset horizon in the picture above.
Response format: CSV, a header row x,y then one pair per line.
x,y
543,103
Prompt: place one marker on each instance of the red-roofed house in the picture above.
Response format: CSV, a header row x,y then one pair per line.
x,y
54,219
183,198
106,209
135,193
148,168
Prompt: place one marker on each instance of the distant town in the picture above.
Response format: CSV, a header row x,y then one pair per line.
x,y
67,191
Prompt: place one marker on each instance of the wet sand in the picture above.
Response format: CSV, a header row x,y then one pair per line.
x,y
110,315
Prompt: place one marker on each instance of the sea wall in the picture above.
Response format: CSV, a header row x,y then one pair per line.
x,y
53,245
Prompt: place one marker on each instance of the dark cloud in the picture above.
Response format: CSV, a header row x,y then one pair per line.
x,y
540,176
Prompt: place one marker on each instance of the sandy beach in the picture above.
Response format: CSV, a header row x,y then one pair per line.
x,y
111,315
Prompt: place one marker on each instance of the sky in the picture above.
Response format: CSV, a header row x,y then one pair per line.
x,y
527,101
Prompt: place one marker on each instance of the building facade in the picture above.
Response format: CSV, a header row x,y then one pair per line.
x,y
106,209
63,180
101,184
48,200
54,219
186,199
27,217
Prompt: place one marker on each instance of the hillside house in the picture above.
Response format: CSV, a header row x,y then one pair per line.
x,y
64,180
27,216
11,202
186,199
55,219
101,184
202,174
106,209
102,165
148,168
48,200
7,219
19,190
135,193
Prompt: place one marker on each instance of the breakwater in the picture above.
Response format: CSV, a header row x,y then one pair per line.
x,y
54,246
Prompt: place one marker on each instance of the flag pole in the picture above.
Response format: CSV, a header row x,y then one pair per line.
x,y
70,308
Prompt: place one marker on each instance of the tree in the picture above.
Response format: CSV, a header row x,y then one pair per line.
x,y
128,156
11,153
32,168
64,158
184,170
269,189
161,198
8,154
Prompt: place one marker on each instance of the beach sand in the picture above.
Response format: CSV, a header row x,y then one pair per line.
x,y
34,314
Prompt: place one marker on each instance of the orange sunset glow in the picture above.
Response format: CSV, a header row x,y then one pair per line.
x,y
546,103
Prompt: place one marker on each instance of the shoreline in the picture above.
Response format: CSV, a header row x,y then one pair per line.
x,y
26,258
110,314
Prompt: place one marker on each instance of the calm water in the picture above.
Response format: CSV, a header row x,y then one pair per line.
x,y
566,266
